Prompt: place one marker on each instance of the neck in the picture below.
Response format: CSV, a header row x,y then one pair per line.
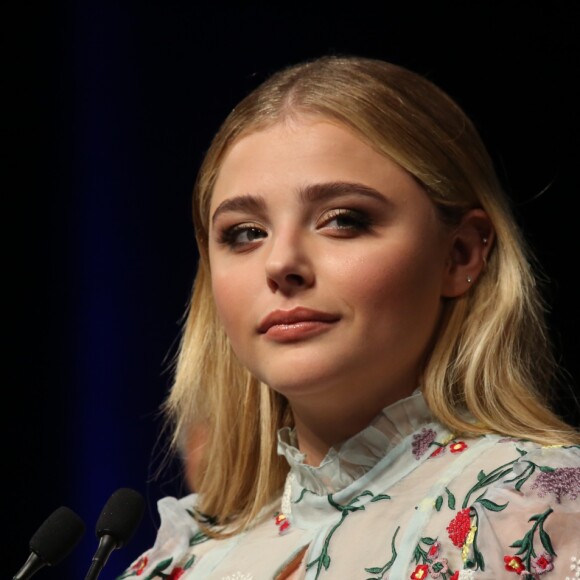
x,y
320,427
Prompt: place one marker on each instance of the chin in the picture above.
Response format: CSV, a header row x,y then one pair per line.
x,y
295,381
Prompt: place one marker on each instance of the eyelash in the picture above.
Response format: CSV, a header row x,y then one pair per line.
x,y
229,236
357,222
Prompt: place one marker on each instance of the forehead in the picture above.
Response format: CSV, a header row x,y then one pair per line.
x,y
298,152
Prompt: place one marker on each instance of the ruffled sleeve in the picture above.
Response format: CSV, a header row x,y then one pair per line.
x,y
178,532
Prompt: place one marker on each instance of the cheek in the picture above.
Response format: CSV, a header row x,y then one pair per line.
x,y
228,297
399,280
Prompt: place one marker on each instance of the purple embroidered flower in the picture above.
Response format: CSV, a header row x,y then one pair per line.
x,y
542,563
421,442
562,481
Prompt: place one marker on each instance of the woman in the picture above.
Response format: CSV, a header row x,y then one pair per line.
x,y
365,355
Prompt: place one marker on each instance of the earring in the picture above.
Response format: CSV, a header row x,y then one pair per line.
x,y
468,278
484,240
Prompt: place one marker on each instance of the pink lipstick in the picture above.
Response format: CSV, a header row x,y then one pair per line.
x,y
296,324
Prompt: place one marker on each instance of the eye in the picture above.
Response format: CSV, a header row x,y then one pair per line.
x,y
345,221
242,235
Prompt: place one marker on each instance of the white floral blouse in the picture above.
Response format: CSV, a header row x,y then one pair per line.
x,y
403,499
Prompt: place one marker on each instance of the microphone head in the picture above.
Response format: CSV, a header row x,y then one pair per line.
x,y
57,536
121,515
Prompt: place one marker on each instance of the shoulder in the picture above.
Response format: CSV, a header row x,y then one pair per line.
x,y
178,532
533,470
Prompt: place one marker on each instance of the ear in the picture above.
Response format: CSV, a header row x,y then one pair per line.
x,y
470,244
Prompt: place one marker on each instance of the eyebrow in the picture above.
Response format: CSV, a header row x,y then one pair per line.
x,y
243,203
329,190
315,192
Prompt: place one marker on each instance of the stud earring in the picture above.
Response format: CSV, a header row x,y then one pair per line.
x,y
484,240
468,278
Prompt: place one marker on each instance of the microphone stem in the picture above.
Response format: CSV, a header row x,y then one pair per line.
x,y
31,566
106,545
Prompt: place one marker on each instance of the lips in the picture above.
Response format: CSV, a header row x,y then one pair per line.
x,y
296,316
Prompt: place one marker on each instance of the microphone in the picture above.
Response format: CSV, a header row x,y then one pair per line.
x,y
116,525
53,540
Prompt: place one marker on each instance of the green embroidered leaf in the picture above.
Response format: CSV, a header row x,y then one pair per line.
x,y
481,475
438,503
450,499
198,538
428,541
546,469
534,517
546,542
492,506
521,451
163,564
363,494
479,559
516,544
189,563
380,497
521,482
326,561
374,570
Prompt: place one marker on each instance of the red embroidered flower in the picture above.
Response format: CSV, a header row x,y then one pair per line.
x,y
176,573
282,522
140,565
421,572
455,576
459,527
438,451
513,564
458,447
434,551
542,563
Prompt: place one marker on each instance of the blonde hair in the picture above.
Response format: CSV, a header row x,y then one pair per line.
x,y
492,356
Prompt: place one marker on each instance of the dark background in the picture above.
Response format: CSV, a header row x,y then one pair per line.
x,y
111,106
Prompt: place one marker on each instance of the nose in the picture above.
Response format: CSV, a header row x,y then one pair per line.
x,y
288,264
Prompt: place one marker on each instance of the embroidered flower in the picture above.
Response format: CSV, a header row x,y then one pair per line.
x,y
176,573
459,528
421,572
458,447
542,563
438,568
455,576
422,441
562,481
514,564
574,567
434,551
140,565
282,522
468,542
437,451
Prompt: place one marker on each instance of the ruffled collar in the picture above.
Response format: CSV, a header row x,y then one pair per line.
x,y
349,461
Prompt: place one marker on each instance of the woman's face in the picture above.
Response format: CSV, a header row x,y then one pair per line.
x,y
327,262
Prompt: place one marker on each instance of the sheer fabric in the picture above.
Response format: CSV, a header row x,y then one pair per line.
x,y
404,498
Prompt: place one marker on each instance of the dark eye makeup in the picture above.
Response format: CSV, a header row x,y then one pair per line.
x,y
338,222
345,221
241,235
